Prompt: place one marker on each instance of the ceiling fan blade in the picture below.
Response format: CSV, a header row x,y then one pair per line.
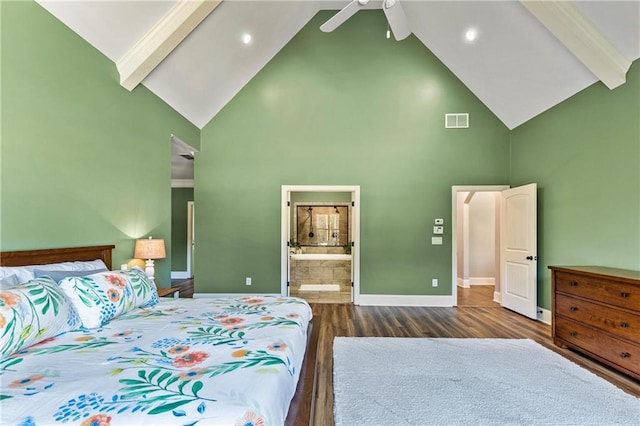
x,y
338,19
397,19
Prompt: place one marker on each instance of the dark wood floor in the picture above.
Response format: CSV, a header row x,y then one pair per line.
x,y
185,286
477,316
478,322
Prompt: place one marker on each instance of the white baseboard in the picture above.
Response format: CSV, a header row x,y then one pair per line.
x,y
544,315
497,297
216,295
179,275
402,300
482,281
463,283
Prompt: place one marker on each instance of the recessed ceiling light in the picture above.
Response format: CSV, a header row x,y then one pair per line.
x,y
471,34
246,38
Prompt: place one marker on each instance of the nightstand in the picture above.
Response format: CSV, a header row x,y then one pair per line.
x,y
168,291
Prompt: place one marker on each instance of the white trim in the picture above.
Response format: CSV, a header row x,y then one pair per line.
x,y
182,183
578,34
463,283
544,315
454,223
482,281
355,236
164,36
216,295
178,275
404,300
497,297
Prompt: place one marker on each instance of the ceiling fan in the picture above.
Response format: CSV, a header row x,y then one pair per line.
x,y
392,10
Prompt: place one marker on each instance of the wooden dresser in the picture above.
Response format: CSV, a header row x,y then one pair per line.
x,y
596,310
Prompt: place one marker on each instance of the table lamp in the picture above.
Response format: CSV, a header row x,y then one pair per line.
x,y
149,249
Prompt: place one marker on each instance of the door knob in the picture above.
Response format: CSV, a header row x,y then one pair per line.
x,y
532,257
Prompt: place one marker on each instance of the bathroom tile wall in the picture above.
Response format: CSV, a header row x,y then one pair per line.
x,y
320,272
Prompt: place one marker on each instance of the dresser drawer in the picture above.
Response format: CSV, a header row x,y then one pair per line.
x,y
600,289
620,323
606,347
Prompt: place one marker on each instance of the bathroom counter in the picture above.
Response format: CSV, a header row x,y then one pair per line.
x,y
320,256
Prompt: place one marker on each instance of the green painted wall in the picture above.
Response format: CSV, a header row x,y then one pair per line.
x,y
179,199
83,161
343,108
585,156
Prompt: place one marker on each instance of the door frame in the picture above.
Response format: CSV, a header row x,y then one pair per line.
x,y
285,227
454,225
190,237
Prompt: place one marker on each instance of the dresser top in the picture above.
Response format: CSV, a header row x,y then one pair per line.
x,y
600,271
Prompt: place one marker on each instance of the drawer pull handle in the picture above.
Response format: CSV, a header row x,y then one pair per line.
x,y
624,354
573,283
624,325
573,309
624,295
573,334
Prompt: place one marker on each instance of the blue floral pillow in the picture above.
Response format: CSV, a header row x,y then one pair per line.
x,y
144,289
100,297
32,312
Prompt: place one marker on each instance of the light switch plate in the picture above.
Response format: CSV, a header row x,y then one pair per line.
x,y
439,221
436,241
438,229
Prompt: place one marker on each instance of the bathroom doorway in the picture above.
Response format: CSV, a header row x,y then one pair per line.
x,y
320,243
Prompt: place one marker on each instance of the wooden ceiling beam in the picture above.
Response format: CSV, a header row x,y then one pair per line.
x,y
161,39
578,34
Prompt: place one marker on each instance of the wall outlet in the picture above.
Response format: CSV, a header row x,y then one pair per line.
x,y
434,282
248,281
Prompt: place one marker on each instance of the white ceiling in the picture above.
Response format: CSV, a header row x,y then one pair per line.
x,y
517,67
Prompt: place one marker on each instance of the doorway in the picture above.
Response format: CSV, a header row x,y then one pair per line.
x,y
320,243
476,245
516,245
182,208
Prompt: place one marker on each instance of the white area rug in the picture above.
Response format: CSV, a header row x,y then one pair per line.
x,y
320,287
411,381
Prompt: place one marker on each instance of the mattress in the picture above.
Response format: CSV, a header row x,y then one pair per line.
x,y
223,361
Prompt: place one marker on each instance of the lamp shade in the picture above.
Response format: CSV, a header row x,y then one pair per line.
x,y
149,249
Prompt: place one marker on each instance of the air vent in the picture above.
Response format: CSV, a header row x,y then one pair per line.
x,y
456,121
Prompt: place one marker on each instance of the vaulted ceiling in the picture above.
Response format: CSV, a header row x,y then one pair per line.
x,y
527,57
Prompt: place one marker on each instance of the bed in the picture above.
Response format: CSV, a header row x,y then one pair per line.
x,y
219,361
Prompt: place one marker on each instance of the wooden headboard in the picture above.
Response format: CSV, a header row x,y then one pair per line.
x,y
44,256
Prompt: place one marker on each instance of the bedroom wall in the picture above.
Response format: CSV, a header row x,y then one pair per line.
x,y
83,161
585,156
344,108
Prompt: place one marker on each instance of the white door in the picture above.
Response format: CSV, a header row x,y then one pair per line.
x,y
518,262
288,231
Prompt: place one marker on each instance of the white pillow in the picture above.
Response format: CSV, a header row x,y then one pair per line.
x,y
32,312
9,281
100,297
26,273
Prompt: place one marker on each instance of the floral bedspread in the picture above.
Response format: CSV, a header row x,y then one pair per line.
x,y
231,361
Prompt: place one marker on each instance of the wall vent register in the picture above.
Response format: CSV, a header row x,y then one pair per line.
x,y
456,121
